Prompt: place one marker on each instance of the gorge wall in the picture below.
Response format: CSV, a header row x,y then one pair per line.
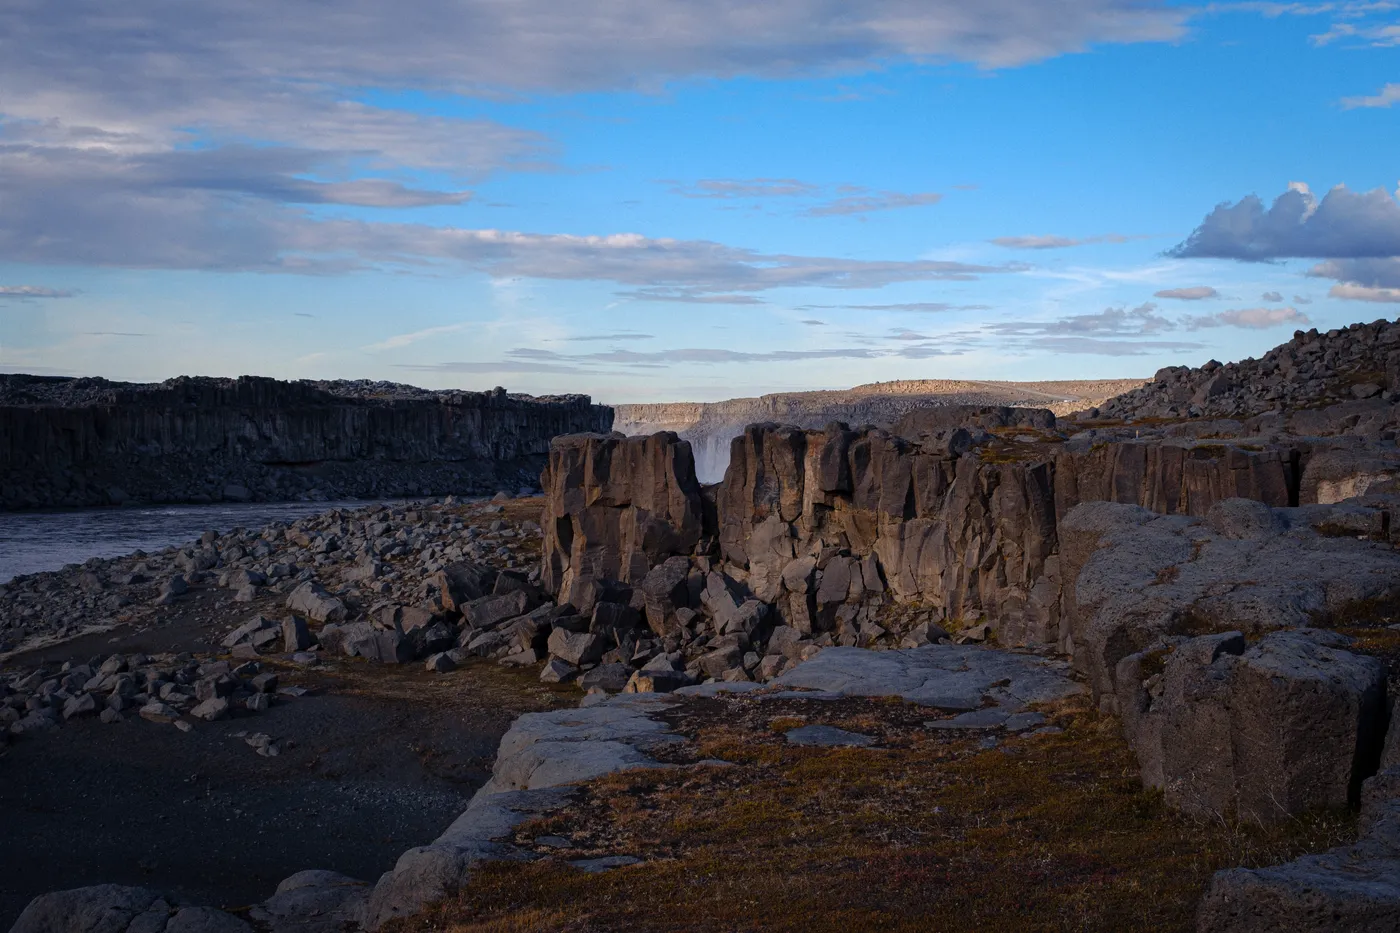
x,y
710,426
84,442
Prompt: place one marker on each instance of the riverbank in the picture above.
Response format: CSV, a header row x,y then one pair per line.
x,y
50,540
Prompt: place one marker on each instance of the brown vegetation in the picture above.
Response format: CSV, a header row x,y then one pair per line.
x,y
929,832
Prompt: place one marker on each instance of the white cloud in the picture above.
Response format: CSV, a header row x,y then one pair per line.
x,y
168,134
917,307
177,52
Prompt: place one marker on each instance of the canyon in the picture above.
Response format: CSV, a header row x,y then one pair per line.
x,y
710,426
1205,568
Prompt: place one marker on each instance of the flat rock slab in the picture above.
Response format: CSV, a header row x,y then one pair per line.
x,y
828,736
951,677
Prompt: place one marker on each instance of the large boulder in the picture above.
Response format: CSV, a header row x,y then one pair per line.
x,y
103,908
311,600
112,908
1267,731
460,583
665,590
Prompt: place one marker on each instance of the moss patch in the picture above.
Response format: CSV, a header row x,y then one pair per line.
x,y
930,831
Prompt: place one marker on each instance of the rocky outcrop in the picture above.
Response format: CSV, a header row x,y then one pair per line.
x,y
825,524
711,426
1140,578
616,508
1357,367
193,439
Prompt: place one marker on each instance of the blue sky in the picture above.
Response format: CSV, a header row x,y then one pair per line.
x,y
648,200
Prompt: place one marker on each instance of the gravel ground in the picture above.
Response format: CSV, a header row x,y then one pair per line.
x,y
374,761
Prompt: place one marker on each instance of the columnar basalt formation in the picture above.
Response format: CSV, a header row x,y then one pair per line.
x,y
616,508
971,531
88,442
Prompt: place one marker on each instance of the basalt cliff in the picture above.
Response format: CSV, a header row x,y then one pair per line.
x,y
85,442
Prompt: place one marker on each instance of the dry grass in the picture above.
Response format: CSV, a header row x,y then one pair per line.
x,y
928,833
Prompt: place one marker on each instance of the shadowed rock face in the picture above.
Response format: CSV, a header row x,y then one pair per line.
x,y
88,442
616,508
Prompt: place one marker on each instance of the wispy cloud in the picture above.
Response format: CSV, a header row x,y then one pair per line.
x,y
1250,319
833,201
918,307
1139,321
1095,346
736,188
403,340
1193,293
858,204
1060,242
1123,331
688,296
619,361
33,291
604,338
1388,96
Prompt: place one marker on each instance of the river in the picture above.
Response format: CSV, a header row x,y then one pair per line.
x,y
35,541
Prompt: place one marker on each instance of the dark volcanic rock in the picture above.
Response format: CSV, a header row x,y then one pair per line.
x,y
90,442
616,507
